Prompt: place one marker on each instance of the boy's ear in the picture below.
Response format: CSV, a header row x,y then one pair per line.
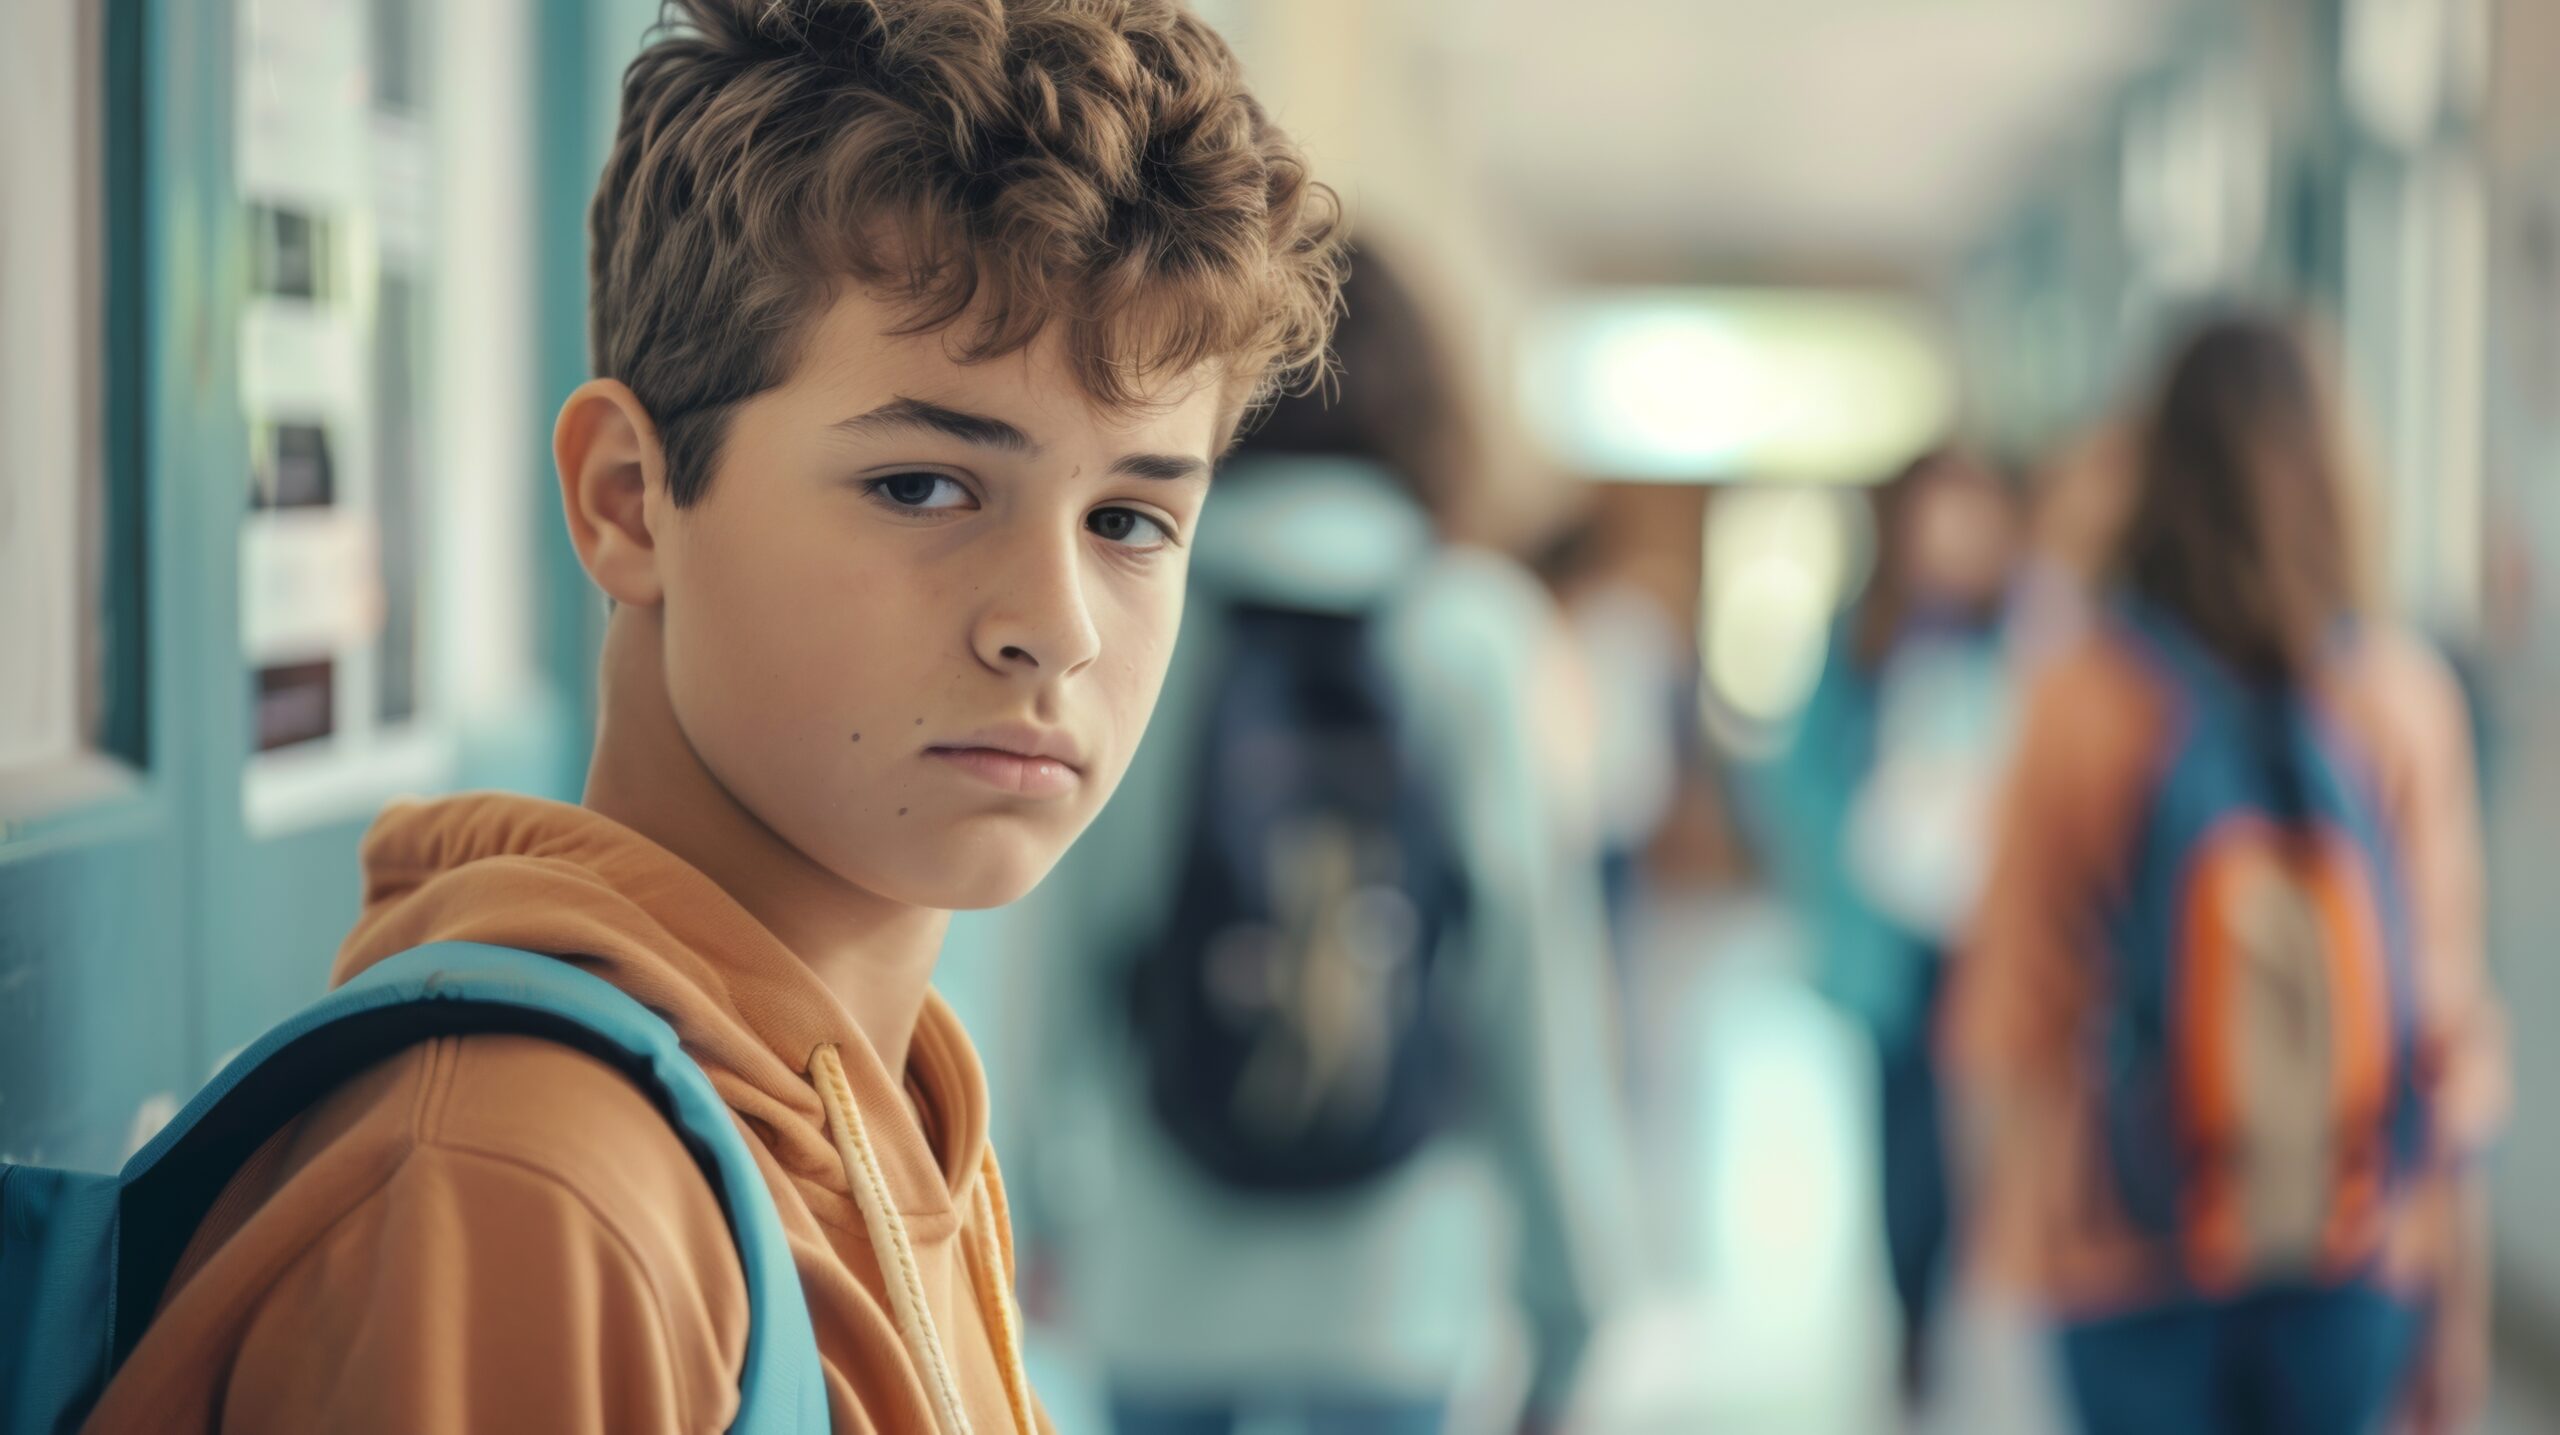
x,y
606,447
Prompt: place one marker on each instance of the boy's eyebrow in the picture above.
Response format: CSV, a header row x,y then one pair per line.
x,y
995,433
906,413
1166,466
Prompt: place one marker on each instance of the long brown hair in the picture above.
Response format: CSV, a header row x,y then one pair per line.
x,y
2243,526
1393,396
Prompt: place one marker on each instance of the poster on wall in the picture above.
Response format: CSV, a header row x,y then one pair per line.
x,y
337,177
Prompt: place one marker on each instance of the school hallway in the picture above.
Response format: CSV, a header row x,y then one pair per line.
x,y
1782,388
1768,1311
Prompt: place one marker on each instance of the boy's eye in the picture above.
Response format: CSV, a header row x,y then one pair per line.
x,y
1127,526
921,491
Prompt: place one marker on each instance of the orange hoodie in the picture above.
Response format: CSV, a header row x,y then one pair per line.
x,y
494,1233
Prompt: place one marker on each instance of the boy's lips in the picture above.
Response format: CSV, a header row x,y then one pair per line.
x,y
1023,760
1011,771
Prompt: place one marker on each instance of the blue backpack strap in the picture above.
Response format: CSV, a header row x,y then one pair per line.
x,y
57,1244
2276,723
460,988
2171,654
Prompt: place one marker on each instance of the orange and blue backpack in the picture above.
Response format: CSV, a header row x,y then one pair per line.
x,y
2259,1096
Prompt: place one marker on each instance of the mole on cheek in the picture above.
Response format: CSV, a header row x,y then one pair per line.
x,y
857,737
902,812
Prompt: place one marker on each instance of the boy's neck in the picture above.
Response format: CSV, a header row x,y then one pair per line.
x,y
875,954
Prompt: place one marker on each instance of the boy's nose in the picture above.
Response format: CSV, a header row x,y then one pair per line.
x,y
1038,619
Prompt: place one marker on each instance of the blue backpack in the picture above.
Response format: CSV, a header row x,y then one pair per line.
x,y
84,1257
1295,1013
2259,1096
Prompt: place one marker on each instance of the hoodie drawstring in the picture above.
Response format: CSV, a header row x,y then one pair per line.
x,y
896,1254
995,1293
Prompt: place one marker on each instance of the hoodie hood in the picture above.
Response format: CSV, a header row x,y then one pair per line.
x,y
561,880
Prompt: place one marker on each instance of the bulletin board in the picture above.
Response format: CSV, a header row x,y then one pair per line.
x,y
335,168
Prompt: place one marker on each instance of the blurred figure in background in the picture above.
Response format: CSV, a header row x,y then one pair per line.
x,y
1878,817
1353,934
1632,740
2078,515
2225,1019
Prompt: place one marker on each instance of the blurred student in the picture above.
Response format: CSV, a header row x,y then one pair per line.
x,y
1880,808
2225,1016
1629,737
2077,517
1358,947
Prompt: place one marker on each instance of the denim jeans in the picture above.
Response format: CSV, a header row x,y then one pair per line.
x,y
2287,1362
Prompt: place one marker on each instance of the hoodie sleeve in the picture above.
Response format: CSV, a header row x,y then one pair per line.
x,y
394,1321
1538,948
504,1277
2020,992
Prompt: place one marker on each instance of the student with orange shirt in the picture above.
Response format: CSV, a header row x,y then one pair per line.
x,y
918,326
2225,1019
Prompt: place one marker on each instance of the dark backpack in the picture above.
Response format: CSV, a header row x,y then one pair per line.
x,y
2260,1099
1295,1013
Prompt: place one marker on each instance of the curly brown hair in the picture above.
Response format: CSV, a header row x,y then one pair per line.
x,y
997,167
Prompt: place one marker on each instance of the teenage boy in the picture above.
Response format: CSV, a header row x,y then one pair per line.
x,y
918,325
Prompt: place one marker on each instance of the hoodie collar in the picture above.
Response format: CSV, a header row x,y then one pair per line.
x,y
559,879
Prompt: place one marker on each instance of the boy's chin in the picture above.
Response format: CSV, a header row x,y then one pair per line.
x,y
965,875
